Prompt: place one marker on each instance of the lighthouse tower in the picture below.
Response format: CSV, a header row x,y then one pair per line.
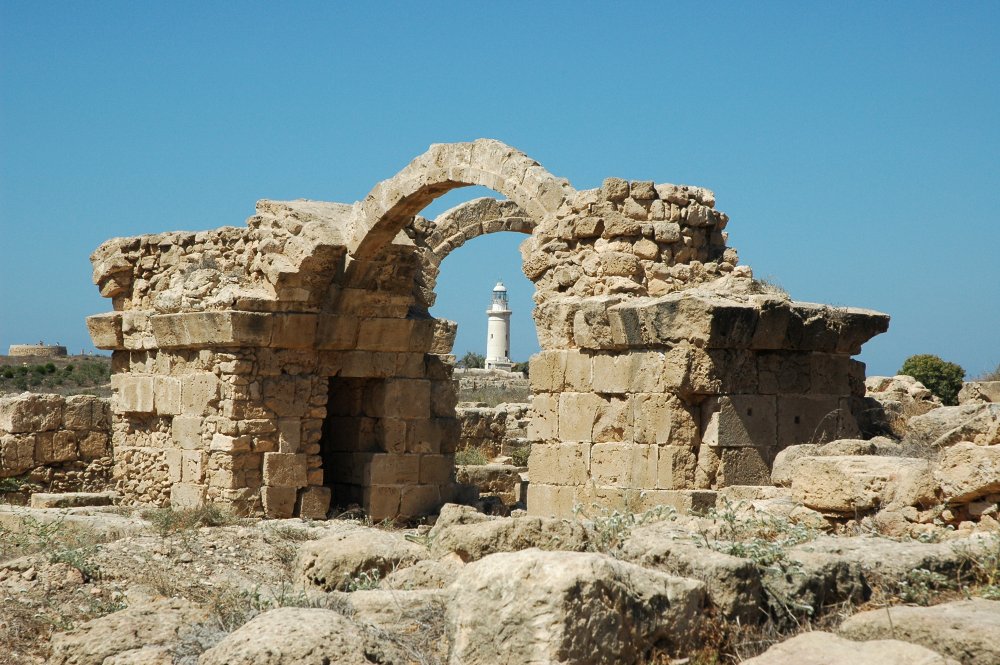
x,y
498,331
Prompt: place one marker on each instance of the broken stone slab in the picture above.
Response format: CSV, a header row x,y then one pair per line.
x,y
566,607
159,622
95,520
893,400
822,648
715,321
426,574
977,422
979,391
355,556
733,584
72,499
966,472
502,479
471,536
783,468
295,635
832,569
860,483
966,630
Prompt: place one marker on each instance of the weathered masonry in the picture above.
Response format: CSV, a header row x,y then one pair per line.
x,y
291,363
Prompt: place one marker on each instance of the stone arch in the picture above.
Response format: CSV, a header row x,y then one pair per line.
x,y
455,227
391,204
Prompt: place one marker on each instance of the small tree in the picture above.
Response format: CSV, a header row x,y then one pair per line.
x,y
473,360
941,377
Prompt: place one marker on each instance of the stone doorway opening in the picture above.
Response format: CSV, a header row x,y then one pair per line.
x,y
350,437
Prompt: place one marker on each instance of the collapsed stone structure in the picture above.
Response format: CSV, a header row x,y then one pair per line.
x,y
55,443
283,365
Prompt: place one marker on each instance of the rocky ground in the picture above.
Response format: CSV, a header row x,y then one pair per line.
x,y
884,550
103,586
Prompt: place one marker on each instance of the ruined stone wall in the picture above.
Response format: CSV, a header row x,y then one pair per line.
x,y
55,443
37,350
496,430
291,365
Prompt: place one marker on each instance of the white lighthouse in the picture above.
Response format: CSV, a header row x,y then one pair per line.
x,y
498,331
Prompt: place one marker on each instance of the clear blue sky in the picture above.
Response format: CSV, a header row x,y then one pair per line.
x,y
855,146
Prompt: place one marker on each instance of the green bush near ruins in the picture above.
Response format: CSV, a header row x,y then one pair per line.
x,y
68,376
941,377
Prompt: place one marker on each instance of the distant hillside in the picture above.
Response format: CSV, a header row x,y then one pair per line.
x,y
70,375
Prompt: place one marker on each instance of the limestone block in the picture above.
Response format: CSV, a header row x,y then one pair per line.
x,y
31,413
174,460
199,392
663,419
106,330
381,501
577,413
194,465
279,502
784,372
812,419
591,325
744,466
829,374
418,500
293,330
551,500
708,322
675,467
212,329
336,332
979,391
231,444
967,630
94,444
385,334
186,432
547,372
289,434
53,447
444,398
185,496
614,373
314,502
732,421
849,483
685,502
436,469
385,469
966,471
579,372
544,423
285,470
821,648
619,264
404,398
734,369
17,453
559,463
85,412
624,465
166,395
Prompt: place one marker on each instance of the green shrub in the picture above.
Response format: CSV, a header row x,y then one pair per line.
x,y
470,457
520,455
473,360
941,377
